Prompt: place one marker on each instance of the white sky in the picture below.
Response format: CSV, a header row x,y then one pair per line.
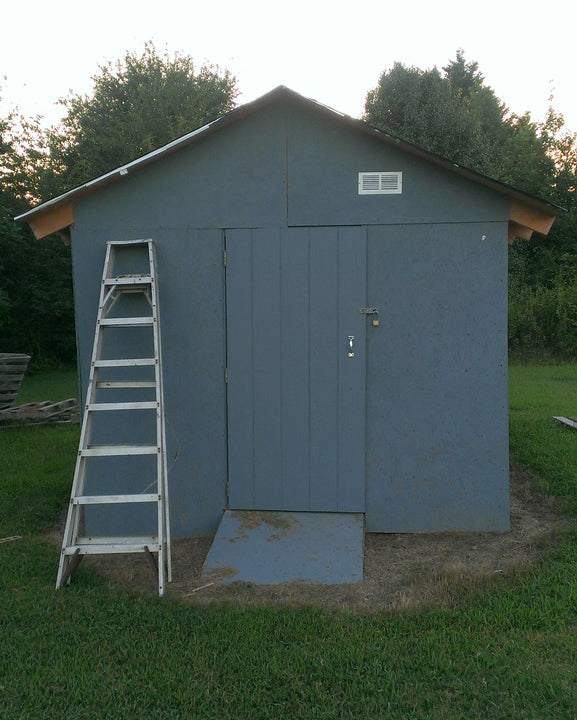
x,y
331,51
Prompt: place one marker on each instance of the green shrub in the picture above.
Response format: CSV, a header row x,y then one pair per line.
x,y
543,318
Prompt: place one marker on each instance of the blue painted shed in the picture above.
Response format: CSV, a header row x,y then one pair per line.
x,y
334,318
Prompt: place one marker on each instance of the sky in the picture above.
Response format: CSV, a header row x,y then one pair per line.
x,y
331,51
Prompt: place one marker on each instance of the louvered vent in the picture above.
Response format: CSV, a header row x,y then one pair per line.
x,y
380,183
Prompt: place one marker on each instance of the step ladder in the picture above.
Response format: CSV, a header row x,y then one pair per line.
x,y
156,547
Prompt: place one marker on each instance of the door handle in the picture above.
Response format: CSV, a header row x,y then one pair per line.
x,y
351,346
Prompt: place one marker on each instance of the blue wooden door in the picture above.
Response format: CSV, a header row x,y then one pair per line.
x,y
296,387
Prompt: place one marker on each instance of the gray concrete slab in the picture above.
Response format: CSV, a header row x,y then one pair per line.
x,y
279,547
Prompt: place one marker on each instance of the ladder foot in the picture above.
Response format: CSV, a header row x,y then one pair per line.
x,y
71,562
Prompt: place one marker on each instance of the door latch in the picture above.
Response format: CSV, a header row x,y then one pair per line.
x,y
371,310
351,346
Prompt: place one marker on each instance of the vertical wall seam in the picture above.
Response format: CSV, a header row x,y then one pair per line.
x,y
366,361
252,362
286,170
281,380
226,368
309,358
339,394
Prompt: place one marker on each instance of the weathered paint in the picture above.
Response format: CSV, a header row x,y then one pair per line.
x,y
267,548
437,430
436,419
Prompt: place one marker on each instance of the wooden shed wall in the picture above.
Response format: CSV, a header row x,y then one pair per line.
x,y
436,372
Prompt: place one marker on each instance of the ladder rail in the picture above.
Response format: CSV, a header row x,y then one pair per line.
x,y
163,420
159,412
73,518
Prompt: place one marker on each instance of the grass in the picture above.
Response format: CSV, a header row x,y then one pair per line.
x,y
54,385
536,393
94,652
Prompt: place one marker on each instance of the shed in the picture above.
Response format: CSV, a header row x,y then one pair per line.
x,y
334,318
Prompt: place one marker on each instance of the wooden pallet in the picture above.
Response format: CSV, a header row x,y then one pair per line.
x,y
13,367
40,413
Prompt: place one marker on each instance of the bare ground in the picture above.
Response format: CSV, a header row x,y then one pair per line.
x,y
401,571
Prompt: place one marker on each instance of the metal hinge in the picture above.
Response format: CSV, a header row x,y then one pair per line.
x,y
224,258
226,375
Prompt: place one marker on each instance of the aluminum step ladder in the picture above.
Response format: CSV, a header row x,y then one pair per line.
x,y
156,547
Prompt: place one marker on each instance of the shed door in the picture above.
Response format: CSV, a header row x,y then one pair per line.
x,y
296,400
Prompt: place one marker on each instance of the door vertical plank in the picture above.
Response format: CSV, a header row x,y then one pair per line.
x,y
351,396
240,369
295,355
323,369
266,321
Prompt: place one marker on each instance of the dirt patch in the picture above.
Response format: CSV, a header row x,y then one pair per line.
x,y
401,571
249,520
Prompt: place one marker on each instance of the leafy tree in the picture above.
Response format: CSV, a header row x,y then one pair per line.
x,y
36,308
137,104
455,113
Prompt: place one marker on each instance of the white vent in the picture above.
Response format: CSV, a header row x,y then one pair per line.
x,y
380,183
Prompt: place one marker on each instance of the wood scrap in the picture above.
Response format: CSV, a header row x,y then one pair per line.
x,y
202,587
568,422
40,413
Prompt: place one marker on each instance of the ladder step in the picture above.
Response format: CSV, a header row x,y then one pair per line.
x,y
110,548
115,243
129,362
147,405
110,384
113,499
110,450
113,540
127,321
129,280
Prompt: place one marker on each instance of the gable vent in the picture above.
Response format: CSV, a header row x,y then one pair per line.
x,y
380,183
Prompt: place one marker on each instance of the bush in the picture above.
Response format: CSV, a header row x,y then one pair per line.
x,y
543,318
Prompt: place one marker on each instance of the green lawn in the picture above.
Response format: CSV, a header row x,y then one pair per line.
x,y
95,652
55,385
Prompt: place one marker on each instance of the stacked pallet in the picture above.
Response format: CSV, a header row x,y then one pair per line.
x,y
13,367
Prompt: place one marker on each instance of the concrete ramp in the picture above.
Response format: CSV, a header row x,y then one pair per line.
x,y
267,548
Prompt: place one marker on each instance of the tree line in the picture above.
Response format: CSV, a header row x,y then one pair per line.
x,y
148,99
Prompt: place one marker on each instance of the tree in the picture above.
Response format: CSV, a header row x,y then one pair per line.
x,y
36,308
137,104
455,113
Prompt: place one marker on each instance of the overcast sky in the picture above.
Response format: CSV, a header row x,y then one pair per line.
x,y
331,51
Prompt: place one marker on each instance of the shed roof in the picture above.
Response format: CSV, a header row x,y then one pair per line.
x,y
528,212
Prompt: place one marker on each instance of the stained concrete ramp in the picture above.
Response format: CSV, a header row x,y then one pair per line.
x,y
280,547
